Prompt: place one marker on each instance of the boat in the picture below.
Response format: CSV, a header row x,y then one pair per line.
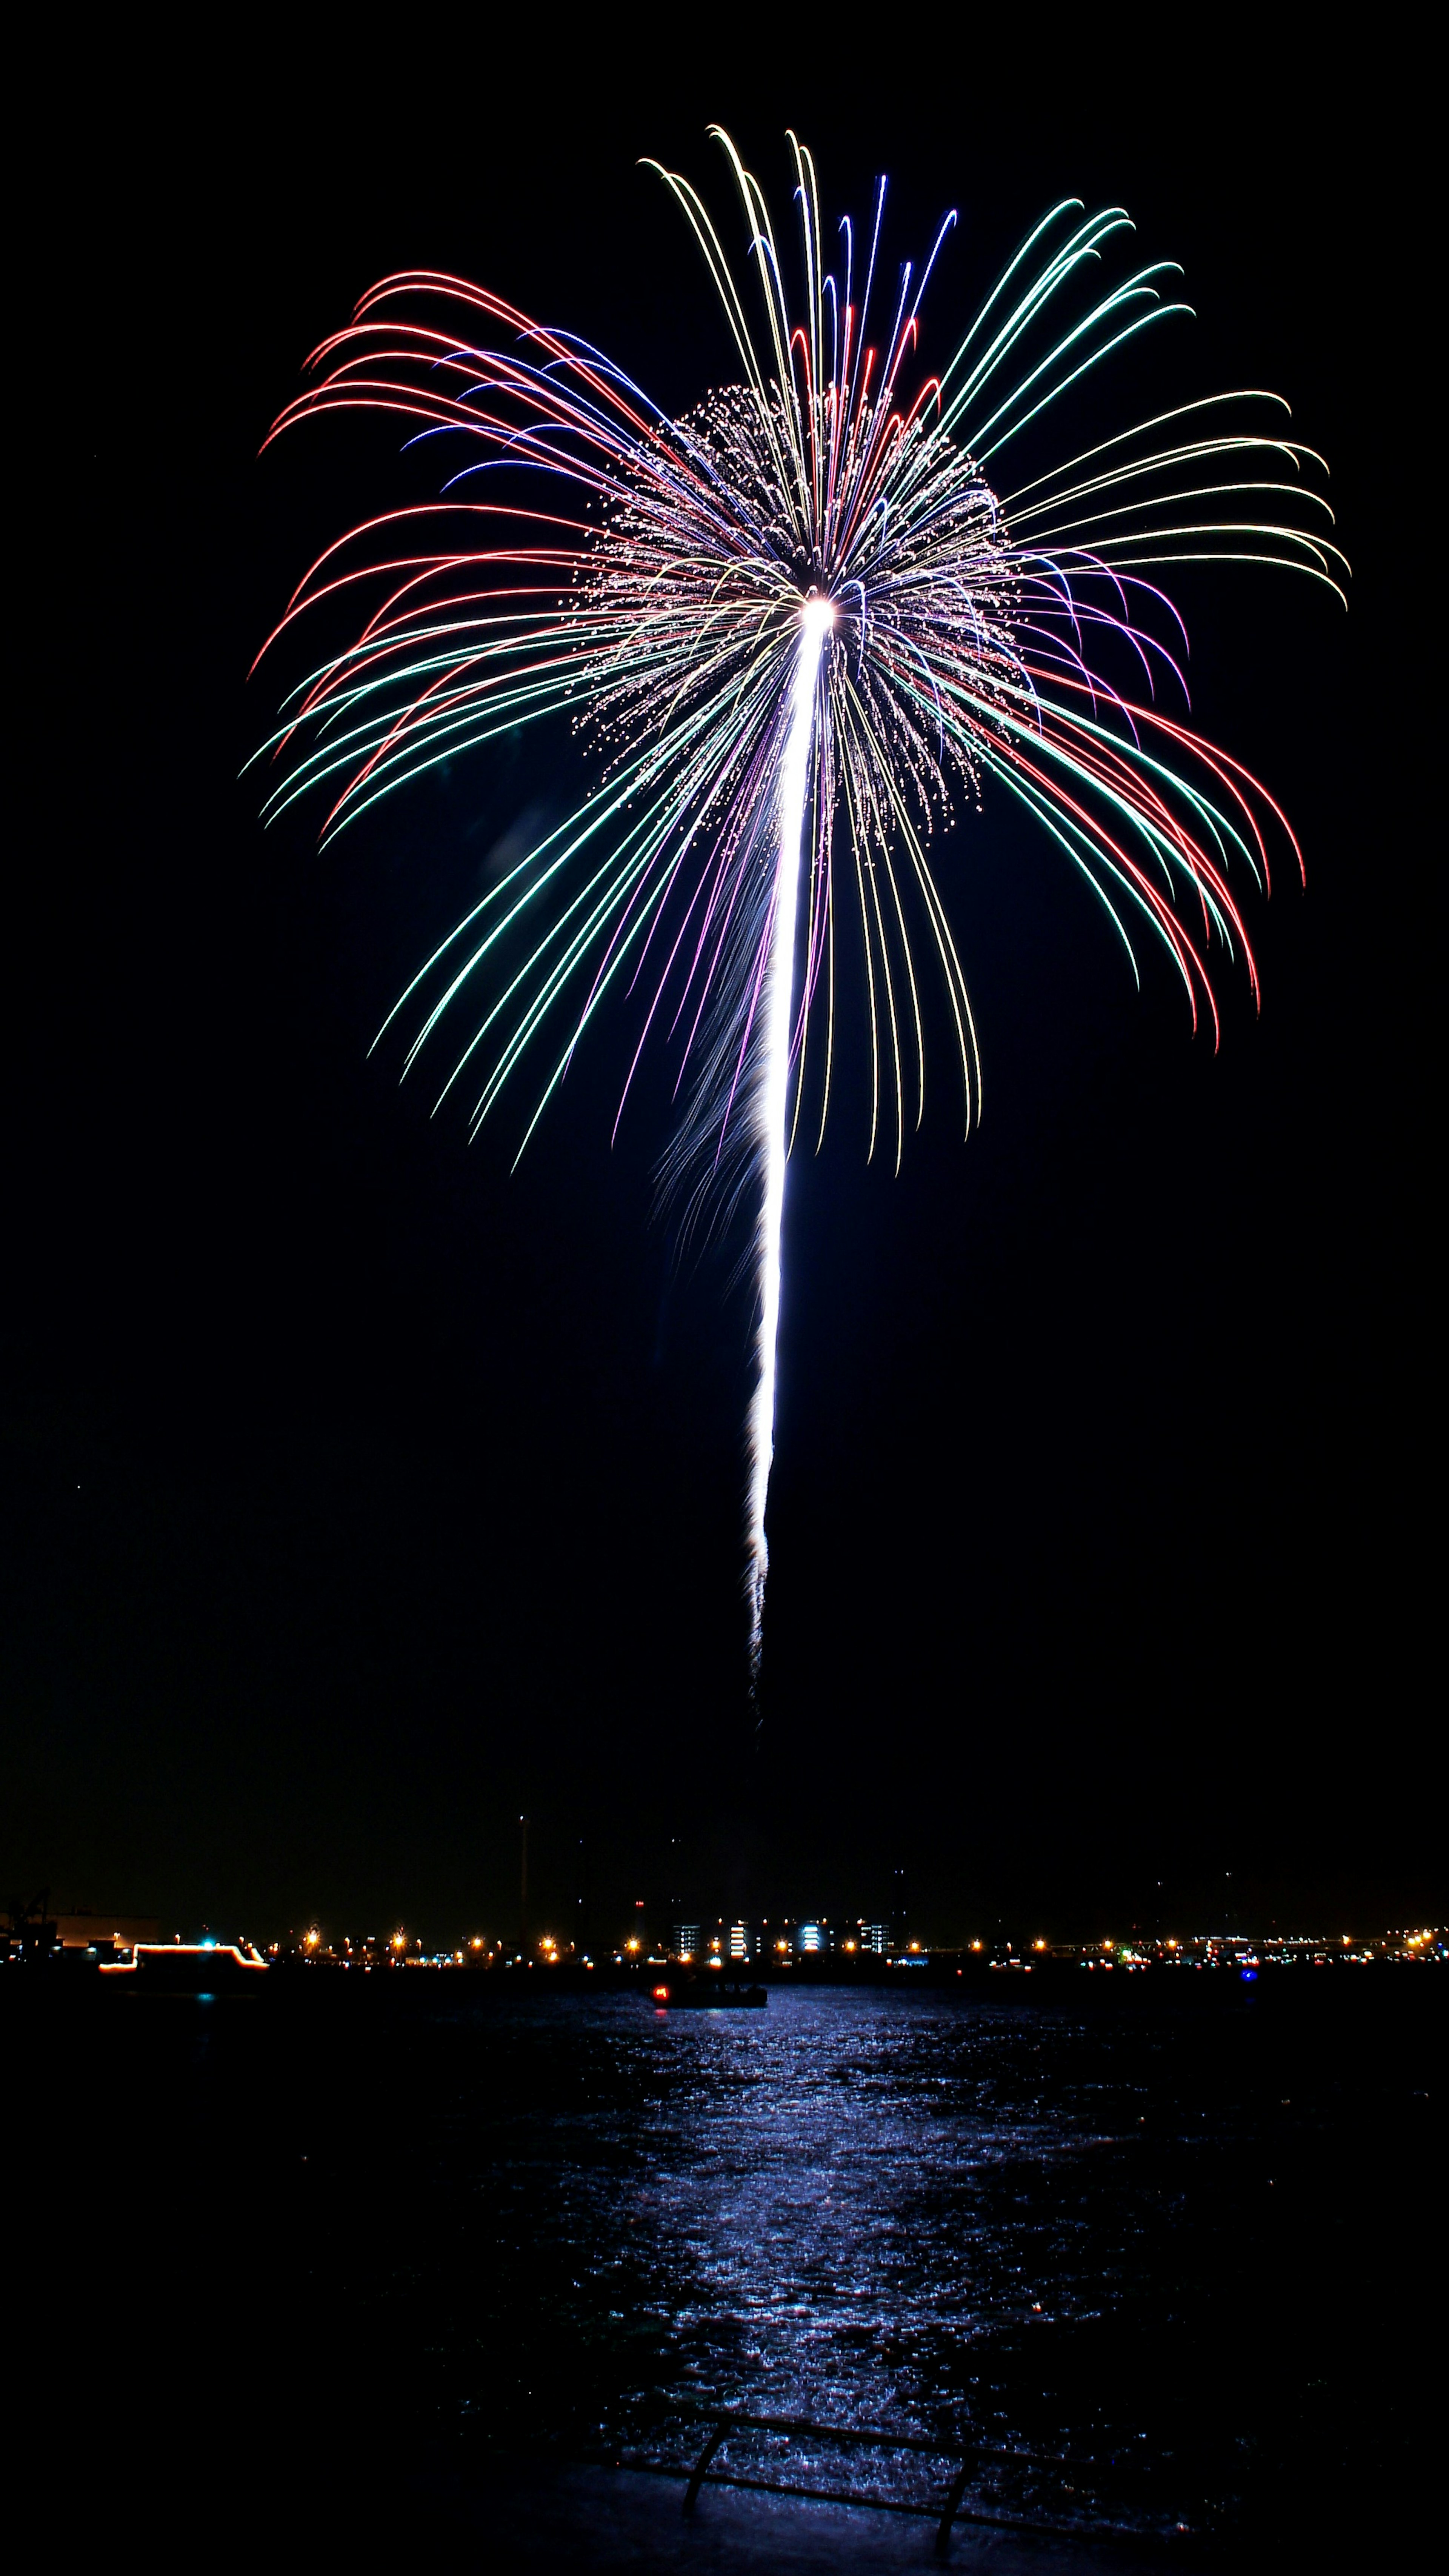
x,y
205,1968
713,1992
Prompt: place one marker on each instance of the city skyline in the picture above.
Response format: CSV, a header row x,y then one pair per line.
x,y
762,1942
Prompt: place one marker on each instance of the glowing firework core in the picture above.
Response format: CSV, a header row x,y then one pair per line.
x,y
772,1098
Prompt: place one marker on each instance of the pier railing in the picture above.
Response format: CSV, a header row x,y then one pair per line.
x,y
964,2460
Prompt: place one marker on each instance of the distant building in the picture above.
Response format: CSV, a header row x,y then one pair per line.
x,y
686,1940
812,1938
91,1928
744,1941
875,1937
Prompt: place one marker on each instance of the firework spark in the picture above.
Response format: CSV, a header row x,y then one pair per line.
x,y
797,626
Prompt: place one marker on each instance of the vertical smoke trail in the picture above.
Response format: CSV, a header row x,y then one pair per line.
x,y
772,1096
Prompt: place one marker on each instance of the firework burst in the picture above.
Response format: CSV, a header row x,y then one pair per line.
x,y
796,627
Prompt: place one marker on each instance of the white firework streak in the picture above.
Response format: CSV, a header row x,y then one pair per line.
x,y
772,1095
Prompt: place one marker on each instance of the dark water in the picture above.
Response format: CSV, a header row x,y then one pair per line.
x,y
389,2230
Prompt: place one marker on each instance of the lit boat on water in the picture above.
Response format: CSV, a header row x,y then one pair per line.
x,y
710,1993
190,1967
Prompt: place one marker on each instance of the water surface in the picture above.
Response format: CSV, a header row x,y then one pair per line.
x,y
1172,2262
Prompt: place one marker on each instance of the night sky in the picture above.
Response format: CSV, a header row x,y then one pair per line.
x,y
360,1495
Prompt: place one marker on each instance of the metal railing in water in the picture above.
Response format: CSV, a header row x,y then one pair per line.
x,y
966,2458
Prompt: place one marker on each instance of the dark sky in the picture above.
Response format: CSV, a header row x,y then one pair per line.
x,y
359,1494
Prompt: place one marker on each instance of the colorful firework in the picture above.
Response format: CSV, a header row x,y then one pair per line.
x,y
798,626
